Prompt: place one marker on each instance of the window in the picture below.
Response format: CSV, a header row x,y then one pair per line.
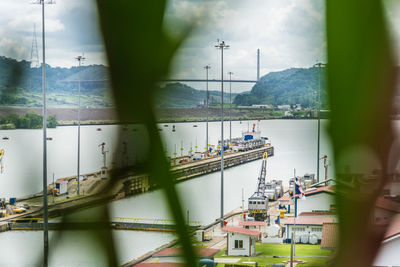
x,y
238,243
315,229
299,229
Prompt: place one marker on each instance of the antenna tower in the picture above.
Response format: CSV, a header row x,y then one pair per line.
x,y
34,50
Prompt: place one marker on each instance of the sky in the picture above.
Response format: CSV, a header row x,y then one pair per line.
x,y
289,33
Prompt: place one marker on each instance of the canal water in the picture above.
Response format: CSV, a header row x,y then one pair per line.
x,y
295,148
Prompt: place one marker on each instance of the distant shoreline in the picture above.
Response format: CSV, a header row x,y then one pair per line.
x,y
108,116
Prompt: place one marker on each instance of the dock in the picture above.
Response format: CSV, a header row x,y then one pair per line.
x,y
140,183
118,223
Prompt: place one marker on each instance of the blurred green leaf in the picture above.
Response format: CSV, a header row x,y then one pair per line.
x,y
139,53
361,86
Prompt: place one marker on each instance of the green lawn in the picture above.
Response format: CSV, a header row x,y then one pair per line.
x,y
269,250
284,250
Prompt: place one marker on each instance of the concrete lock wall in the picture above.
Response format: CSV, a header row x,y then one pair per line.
x,y
318,202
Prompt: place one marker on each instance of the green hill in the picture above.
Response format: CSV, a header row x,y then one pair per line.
x,y
178,95
292,86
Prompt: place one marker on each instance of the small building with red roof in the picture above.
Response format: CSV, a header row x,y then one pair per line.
x,y
174,255
306,226
317,199
384,210
241,241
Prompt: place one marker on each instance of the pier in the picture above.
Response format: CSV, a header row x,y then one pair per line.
x,y
140,183
118,223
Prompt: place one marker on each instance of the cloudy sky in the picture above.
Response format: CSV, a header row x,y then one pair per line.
x,y
289,33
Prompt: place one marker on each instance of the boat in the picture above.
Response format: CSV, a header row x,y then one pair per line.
x,y
195,125
98,129
49,138
6,138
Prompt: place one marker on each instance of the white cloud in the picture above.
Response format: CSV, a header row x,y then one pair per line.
x,y
12,48
289,33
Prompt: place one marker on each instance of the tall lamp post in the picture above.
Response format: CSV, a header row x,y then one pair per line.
x,y
207,97
230,106
45,203
221,45
80,60
319,65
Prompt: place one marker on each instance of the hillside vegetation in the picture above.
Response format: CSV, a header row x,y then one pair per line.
x,y
292,86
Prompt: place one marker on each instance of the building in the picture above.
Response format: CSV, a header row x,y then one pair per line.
x,y
317,199
384,210
175,256
306,226
388,254
253,225
318,214
240,241
330,233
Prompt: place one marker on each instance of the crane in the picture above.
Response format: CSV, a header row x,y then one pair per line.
x,y
258,202
1,160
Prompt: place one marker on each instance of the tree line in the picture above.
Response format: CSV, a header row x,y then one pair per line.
x,y
28,121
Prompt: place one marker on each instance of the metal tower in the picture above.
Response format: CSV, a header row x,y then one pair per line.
x,y
34,50
260,191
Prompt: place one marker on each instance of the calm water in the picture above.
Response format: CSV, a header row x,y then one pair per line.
x,y
295,147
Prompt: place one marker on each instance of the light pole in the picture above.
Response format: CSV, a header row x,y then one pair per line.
x,y
319,65
221,45
207,68
45,203
80,60
230,107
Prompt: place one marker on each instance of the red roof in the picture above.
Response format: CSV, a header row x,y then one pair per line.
x,y
251,223
284,198
394,227
310,220
316,213
387,204
201,252
327,189
239,230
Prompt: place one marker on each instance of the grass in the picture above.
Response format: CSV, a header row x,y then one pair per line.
x,y
267,251
284,250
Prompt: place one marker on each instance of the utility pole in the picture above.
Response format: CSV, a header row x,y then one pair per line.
x,y
207,97
45,203
230,107
80,60
221,45
258,64
325,157
319,65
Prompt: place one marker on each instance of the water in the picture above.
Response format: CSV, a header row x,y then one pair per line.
x,y
295,147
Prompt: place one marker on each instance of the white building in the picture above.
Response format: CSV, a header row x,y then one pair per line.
x,y
388,254
317,199
306,226
240,241
384,210
253,225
